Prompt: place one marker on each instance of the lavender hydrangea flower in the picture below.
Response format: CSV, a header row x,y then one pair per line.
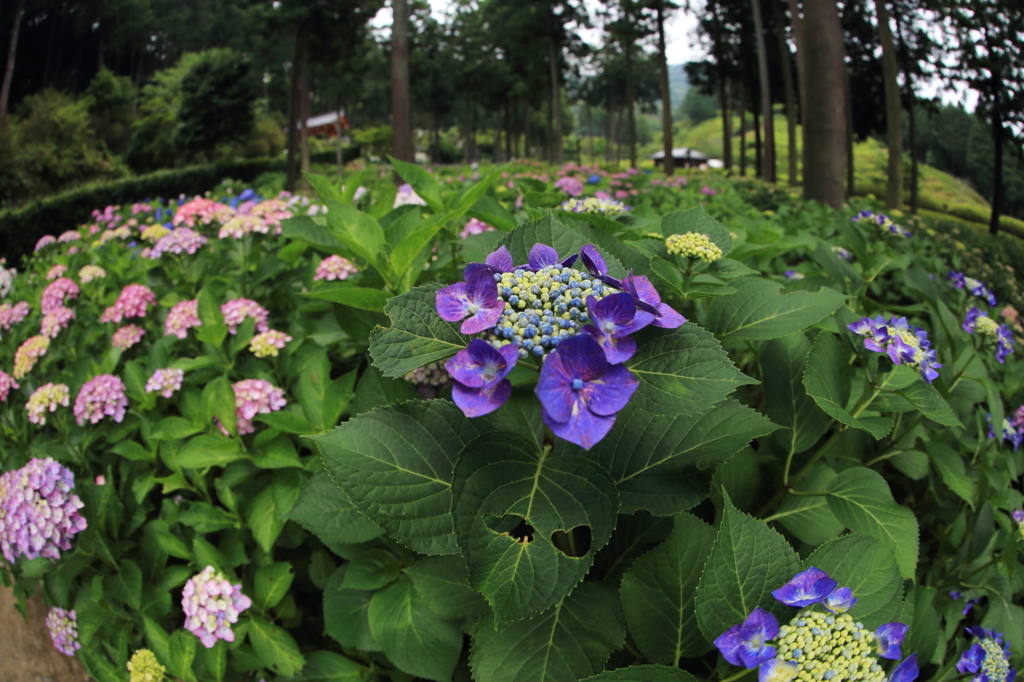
x,y
988,659
612,323
477,297
479,372
961,281
63,627
903,344
211,605
649,300
581,393
840,600
103,396
497,262
978,321
888,638
38,512
883,222
1008,432
806,588
747,644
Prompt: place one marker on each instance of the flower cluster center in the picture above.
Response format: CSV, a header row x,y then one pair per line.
x,y
542,308
829,647
693,245
995,665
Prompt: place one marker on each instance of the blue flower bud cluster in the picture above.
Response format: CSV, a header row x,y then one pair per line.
x,y
829,647
988,659
542,308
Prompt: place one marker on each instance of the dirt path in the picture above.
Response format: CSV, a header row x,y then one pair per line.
x,y
26,651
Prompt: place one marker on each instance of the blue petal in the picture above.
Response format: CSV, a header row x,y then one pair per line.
x,y
840,600
476,402
906,671
806,588
609,394
542,256
452,302
584,428
889,637
729,643
554,387
971,660
593,261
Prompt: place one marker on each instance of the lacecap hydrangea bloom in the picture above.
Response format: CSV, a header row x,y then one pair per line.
x,y
47,397
181,240
56,320
143,666
255,396
1000,334
693,245
212,604
961,281
268,343
236,310
182,317
334,268
7,382
28,354
55,293
883,222
903,344
127,336
102,396
133,301
578,324
39,515
63,627
90,272
988,659
816,645
165,382
608,207
1009,431
11,315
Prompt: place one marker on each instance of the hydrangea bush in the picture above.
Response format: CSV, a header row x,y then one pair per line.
x,y
513,425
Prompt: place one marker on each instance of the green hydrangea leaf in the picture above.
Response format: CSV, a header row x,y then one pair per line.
x,y
325,511
827,380
658,593
417,335
644,673
782,367
757,311
568,641
868,568
515,514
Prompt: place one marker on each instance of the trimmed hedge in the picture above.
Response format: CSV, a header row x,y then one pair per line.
x,y
21,227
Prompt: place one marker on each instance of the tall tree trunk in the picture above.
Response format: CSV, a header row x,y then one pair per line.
x,y
666,94
630,95
801,77
5,89
743,129
291,167
908,102
851,175
997,170
786,62
725,96
758,152
893,109
556,99
768,170
401,115
825,124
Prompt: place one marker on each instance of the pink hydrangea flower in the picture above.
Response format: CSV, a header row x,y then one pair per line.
x,y
103,396
45,241
202,210
101,480
272,211
475,226
334,267
69,236
707,190
268,343
165,382
132,302
179,240
63,627
56,271
7,382
182,317
38,512
90,272
12,315
621,194
241,225
255,396
570,185
28,353
211,605
127,336
55,293
236,310
56,320
47,397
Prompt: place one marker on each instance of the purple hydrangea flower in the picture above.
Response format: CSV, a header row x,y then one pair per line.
x,y
1008,432
648,300
595,264
211,605
840,600
977,288
988,659
479,372
906,671
747,644
903,344
63,627
38,512
581,392
496,262
544,256
888,638
1018,515
806,588
1004,343
978,321
612,323
477,297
